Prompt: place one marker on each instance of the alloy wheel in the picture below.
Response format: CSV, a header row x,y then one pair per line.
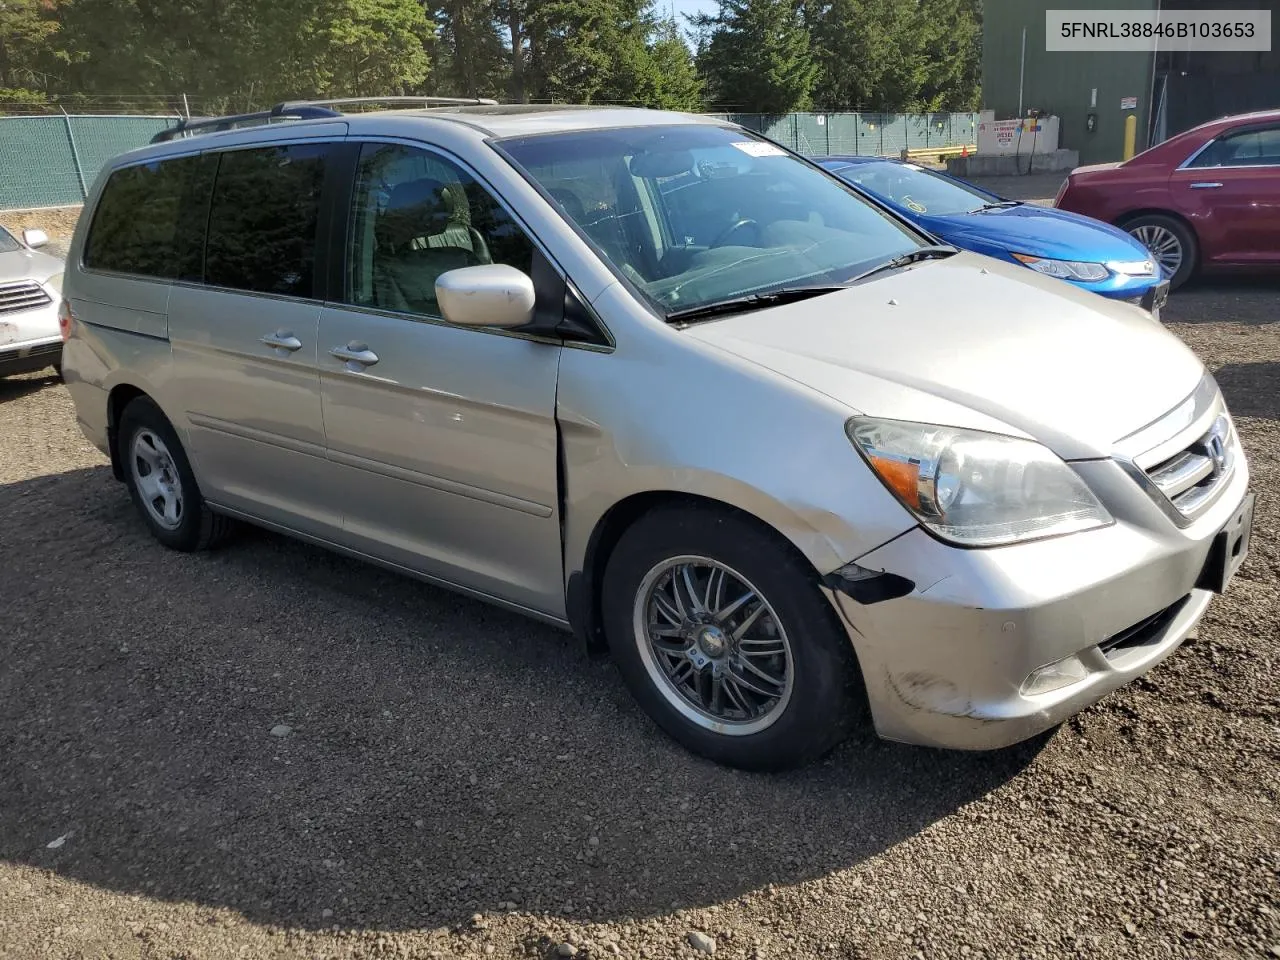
x,y
713,645
1163,244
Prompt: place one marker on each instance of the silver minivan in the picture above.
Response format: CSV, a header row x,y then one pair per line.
x,y
655,379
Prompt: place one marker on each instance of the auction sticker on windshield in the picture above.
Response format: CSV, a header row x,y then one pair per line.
x,y
757,148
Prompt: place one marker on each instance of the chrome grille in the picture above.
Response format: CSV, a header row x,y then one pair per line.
x,y
1190,479
26,295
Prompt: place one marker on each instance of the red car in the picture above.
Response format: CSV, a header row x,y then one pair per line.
x,y
1205,199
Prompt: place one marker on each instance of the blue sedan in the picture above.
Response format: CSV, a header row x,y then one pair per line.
x,y
1086,252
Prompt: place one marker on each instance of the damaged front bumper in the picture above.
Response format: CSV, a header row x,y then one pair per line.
x,y
980,649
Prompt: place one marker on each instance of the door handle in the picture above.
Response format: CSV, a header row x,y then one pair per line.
x,y
1206,185
282,340
356,355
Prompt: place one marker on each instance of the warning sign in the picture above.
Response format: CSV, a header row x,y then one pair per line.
x,y
1128,103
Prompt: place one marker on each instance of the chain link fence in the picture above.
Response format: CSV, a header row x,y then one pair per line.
x,y
51,161
862,134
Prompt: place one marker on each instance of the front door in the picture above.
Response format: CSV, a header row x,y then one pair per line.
x,y
443,437
1231,191
245,340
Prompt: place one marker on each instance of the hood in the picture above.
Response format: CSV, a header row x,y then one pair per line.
x,y
973,342
27,264
1041,232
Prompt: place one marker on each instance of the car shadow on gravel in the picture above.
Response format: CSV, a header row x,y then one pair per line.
x,y
1246,299
1251,389
14,388
311,741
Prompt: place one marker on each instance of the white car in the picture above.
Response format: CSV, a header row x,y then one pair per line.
x,y
30,292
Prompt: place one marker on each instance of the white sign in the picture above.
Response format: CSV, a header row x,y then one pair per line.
x,y
1128,103
1147,30
1020,137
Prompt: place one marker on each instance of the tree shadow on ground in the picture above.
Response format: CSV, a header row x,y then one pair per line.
x,y
444,756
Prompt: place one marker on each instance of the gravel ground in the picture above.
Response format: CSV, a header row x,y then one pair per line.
x,y
58,222
270,751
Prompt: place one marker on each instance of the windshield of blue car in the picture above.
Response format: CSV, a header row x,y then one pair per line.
x,y
696,214
7,243
915,189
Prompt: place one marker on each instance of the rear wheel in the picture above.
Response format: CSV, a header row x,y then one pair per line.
x,y
161,483
726,642
1170,242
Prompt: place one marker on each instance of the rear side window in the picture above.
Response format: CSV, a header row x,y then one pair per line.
x,y
150,219
1246,148
262,223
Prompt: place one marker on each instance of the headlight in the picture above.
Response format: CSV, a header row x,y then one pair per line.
x,y
1063,269
54,283
977,489
1134,268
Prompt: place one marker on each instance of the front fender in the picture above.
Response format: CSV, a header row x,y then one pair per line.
x,y
666,412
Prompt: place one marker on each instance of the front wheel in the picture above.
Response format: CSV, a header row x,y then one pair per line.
x,y
1170,242
725,640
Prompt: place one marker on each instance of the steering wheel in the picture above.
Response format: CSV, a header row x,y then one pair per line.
x,y
729,231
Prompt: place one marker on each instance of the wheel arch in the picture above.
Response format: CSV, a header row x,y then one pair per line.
x,y
1129,216
583,585
119,397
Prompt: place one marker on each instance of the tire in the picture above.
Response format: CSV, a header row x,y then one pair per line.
x,y
815,679
1158,232
161,483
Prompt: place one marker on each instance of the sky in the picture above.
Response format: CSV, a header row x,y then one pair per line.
x,y
681,7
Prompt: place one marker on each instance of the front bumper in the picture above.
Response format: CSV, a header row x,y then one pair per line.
x,y
1141,291
946,664
30,356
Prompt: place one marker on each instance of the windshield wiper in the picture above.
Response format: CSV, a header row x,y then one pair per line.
x,y
1001,205
931,252
754,301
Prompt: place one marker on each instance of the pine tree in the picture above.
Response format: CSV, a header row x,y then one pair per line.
x,y
756,56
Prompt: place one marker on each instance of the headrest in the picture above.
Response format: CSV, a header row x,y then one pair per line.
x,y
416,208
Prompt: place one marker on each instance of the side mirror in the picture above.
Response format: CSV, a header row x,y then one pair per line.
x,y
35,238
490,295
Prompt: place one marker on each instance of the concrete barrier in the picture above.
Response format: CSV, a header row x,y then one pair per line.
x,y
979,165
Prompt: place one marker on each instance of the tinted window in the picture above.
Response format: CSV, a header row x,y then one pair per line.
x,y
150,219
1244,149
7,243
262,224
415,215
697,214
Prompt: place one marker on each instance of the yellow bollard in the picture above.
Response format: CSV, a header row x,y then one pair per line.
x,y
1130,135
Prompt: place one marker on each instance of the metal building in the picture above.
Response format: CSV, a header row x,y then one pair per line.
x,y
1168,92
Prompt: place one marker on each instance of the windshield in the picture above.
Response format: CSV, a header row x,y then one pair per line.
x,y
699,214
7,243
914,188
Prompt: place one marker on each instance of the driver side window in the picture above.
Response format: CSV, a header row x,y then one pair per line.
x,y
416,215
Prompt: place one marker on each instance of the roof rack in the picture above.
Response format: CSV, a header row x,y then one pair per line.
x,y
407,101
303,110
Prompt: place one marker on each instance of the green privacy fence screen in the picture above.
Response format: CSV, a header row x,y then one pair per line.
x,y
862,134
51,161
